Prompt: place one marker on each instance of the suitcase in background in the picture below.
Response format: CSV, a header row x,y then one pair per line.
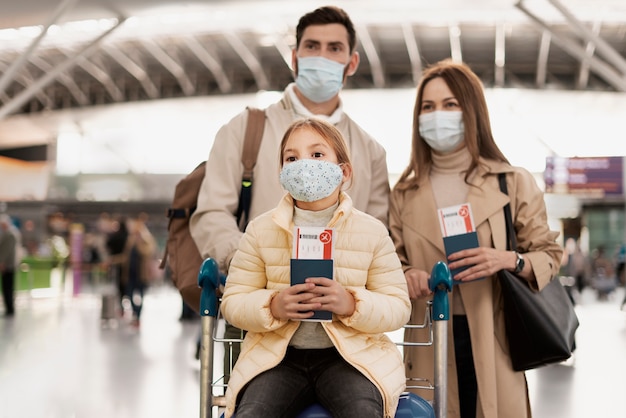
x,y
108,313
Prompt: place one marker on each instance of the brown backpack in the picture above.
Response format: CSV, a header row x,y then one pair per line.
x,y
181,253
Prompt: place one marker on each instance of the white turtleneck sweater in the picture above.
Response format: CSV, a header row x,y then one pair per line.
x,y
301,110
447,178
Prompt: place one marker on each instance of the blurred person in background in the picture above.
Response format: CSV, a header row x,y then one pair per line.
x,y
620,269
9,245
138,258
603,277
115,245
577,264
30,237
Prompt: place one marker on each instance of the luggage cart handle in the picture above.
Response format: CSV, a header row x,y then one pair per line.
x,y
209,279
440,284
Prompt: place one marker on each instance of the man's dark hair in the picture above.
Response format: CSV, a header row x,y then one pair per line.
x,y
324,16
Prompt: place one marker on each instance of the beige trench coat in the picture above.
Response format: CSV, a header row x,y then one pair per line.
x,y
502,392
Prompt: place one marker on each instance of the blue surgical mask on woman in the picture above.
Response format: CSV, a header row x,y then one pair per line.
x,y
442,130
319,78
310,180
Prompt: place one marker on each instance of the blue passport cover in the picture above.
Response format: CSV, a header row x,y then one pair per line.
x,y
460,242
303,268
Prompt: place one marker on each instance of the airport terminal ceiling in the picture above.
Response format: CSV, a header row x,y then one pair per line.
x,y
83,59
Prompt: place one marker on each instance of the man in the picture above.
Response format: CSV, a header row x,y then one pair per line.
x,y
324,56
8,247
115,244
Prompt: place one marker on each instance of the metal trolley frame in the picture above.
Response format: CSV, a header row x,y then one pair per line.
x,y
435,319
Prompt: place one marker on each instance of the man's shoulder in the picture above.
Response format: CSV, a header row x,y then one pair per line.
x,y
358,132
235,127
274,112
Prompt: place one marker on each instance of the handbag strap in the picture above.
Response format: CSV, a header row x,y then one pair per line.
x,y
511,239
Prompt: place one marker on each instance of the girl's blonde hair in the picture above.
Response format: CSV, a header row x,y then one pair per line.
x,y
326,131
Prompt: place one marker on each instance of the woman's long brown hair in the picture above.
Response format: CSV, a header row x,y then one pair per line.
x,y
468,90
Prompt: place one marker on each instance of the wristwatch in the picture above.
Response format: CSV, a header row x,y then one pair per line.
x,y
519,263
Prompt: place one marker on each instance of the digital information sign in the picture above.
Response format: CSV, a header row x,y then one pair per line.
x,y
594,176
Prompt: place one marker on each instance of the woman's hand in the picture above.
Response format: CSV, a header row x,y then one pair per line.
x,y
417,282
483,262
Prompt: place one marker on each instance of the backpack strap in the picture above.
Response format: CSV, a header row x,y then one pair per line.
x,y
251,146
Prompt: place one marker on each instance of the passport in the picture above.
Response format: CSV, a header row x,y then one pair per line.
x,y
303,268
456,243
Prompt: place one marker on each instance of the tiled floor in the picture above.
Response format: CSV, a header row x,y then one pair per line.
x,y
57,360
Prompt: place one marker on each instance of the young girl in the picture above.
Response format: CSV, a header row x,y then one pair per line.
x,y
348,364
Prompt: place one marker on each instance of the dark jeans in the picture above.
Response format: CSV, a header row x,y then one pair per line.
x,y
465,371
8,291
308,376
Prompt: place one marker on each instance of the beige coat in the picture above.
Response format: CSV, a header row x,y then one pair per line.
x,y
213,224
416,233
365,263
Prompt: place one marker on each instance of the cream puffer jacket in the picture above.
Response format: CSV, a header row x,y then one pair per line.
x,y
365,263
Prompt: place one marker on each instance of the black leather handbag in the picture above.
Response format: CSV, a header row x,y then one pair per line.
x,y
540,326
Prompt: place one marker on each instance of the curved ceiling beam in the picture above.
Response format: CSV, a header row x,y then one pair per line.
x,y
283,49
251,61
454,33
572,47
80,97
378,76
170,64
102,76
135,70
500,57
210,62
542,59
7,77
604,48
583,72
25,95
25,79
413,51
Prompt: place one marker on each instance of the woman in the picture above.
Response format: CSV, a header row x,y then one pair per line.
x,y
454,161
287,362
137,269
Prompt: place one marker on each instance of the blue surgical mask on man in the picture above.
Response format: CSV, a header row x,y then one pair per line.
x,y
319,79
442,130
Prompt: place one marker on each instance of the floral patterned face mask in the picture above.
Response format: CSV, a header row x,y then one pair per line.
x,y
311,180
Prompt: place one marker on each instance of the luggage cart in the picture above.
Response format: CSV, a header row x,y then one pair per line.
x,y
410,405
